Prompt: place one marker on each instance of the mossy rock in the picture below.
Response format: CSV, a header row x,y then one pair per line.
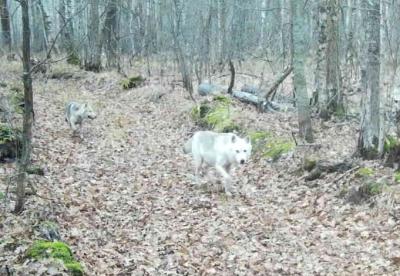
x,y
365,172
56,250
132,82
216,115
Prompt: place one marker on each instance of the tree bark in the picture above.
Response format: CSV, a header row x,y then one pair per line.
x,y
28,108
5,24
299,50
368,142
93,49
333,78
110,33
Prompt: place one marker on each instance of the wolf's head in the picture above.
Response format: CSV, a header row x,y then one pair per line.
x,y
241,149
88,111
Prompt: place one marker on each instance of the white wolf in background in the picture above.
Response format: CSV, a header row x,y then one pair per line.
x,y
223,151
75,113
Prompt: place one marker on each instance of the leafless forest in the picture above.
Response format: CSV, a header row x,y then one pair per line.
x,y
98,98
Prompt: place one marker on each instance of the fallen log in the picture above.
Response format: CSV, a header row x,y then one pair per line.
x,y
260,103
278,82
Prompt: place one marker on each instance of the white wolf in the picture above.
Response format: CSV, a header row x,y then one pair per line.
x,y
223,151
75,113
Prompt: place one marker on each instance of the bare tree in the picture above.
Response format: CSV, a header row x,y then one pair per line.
x,y
368,141
28,108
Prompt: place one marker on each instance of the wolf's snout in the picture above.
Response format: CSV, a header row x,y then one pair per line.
x,y
242,161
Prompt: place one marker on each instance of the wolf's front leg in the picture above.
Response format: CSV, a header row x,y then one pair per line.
x,y
197,169
226,180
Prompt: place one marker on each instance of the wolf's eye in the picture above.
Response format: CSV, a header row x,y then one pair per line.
x,y
245,150
238,151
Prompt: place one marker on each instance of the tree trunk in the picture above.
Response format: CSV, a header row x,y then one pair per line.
x,y
299,50
28,108
286,36
368,142
5,24
66,35
320,95
93,50
333,79
110,33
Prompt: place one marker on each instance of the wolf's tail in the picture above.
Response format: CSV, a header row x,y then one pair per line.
x,y
187,148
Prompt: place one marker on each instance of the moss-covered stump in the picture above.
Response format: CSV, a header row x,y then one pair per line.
x,y
56,250
132,82
10,143
215,115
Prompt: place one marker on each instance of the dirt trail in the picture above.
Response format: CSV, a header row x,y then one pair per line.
x,y
125,203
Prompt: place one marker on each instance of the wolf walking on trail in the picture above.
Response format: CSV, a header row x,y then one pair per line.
x,y
223,151
75,113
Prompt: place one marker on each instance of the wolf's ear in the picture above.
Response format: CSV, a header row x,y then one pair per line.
x,y
233,138
247,139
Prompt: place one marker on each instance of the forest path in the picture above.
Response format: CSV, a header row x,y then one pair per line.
x,y
123,198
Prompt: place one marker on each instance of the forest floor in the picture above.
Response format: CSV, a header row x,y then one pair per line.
x,y
125,202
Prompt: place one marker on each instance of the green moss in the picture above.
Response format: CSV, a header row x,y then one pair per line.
x,y
390,143
57,250
222,99
365,172
74,59
199,112
397,177
309,164
132,82
276,147
216,115
17,88
7,134
2,196
259,136
17,99
372,188
75,268
35,170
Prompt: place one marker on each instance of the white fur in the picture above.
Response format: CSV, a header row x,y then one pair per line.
x,y
75,113
223,151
